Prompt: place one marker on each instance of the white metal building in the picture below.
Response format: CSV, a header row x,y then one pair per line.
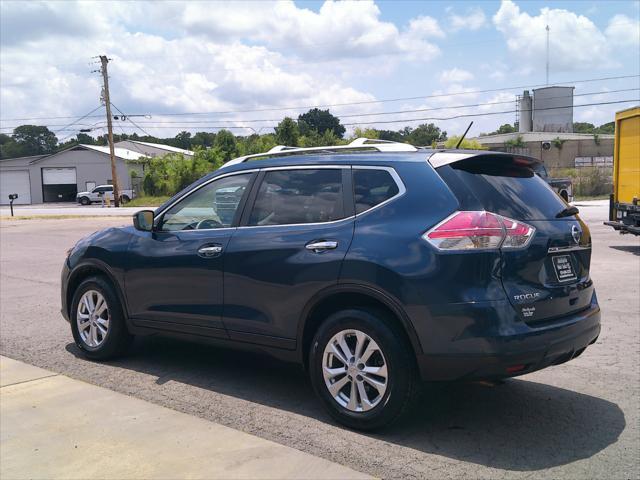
x,y
58,177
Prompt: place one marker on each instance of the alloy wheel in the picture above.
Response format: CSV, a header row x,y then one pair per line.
x,y
355,370
93,318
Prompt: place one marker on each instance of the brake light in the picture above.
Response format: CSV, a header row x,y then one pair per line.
x,y
479,230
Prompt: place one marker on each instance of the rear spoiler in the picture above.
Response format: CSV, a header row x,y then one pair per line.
x,y
438,159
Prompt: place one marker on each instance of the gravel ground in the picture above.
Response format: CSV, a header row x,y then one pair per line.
x,y
578,420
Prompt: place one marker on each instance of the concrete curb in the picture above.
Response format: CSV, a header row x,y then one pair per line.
x,y
56,427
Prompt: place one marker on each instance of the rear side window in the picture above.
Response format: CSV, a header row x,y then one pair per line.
x,y
371,187
502,187
299,196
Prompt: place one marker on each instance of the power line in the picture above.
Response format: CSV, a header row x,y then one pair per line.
x,y
364,102
409,120
66,127
132,122
467,115
482,104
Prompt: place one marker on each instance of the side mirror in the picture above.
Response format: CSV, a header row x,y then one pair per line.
x,y
143,220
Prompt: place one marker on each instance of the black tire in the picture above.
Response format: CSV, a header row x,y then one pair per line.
x,y
402,379
118,338
85,201
564,195
124,199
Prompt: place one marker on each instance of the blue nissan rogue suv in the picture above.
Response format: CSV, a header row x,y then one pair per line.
x,y
375,265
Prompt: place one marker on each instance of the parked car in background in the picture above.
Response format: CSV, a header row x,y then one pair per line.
x,y
624,210
374,264
102,192
562,186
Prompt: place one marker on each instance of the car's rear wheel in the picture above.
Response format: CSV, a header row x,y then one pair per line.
x,y
124,199
361,369
85,201
97,320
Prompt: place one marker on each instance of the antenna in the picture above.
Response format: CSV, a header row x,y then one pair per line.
x,y
463,135
547,55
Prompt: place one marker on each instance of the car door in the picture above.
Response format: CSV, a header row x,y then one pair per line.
x,y
175,272
290,245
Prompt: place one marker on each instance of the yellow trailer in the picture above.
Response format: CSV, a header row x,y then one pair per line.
x,y
624,211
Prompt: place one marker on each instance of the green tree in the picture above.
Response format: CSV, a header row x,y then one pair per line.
x,y
203,139
173,172
517,142
466,143
256,144
426,134
583,127
226,143
320,121
504,128
391,135
607,128
34,139
183,140
287,132
366,133
8,147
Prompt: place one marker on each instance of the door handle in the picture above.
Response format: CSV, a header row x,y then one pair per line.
x,y
209,251
321,246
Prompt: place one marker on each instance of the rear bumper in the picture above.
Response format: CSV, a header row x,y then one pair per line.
x,y
517,354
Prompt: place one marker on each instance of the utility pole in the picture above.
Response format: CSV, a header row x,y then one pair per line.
x,y
547,55
107,100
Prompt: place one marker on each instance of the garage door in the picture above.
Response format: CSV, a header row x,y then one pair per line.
x,y
15,182
59,184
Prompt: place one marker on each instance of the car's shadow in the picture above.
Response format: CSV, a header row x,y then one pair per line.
x,y
635,249
516,425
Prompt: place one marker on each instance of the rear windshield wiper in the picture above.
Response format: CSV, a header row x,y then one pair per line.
x,y
567,212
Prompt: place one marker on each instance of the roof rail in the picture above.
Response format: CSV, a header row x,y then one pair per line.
x,y
357,144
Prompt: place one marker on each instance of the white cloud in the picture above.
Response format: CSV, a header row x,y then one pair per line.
x,y
474,19
455,75
624,31
337,30
151,73
575,42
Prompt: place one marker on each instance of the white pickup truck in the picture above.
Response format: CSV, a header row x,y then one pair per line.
x,y
103,192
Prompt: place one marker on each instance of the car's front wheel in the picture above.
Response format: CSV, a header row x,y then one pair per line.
x,y
97,320
361,369
85,201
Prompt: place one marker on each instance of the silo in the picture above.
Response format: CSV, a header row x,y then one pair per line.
x,y
553,109
525,113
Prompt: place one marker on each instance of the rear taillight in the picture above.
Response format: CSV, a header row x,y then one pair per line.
x,y
479,231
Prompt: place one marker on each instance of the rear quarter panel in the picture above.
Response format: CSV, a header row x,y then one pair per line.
x,y
389,254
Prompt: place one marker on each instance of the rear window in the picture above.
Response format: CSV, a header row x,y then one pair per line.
x,y
371,187
502,187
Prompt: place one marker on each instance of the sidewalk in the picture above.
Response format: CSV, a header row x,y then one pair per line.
x,y
69,209
55,427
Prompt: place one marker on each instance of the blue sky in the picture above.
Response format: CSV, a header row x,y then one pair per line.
x,y
175,57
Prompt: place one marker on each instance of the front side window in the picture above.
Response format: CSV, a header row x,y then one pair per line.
x,y
212,206
299,196
371,187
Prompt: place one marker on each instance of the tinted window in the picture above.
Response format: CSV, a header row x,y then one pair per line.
x,y
212,206
299,196
508,189
372,187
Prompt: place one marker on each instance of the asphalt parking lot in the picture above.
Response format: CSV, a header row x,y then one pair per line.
x,y
578,420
